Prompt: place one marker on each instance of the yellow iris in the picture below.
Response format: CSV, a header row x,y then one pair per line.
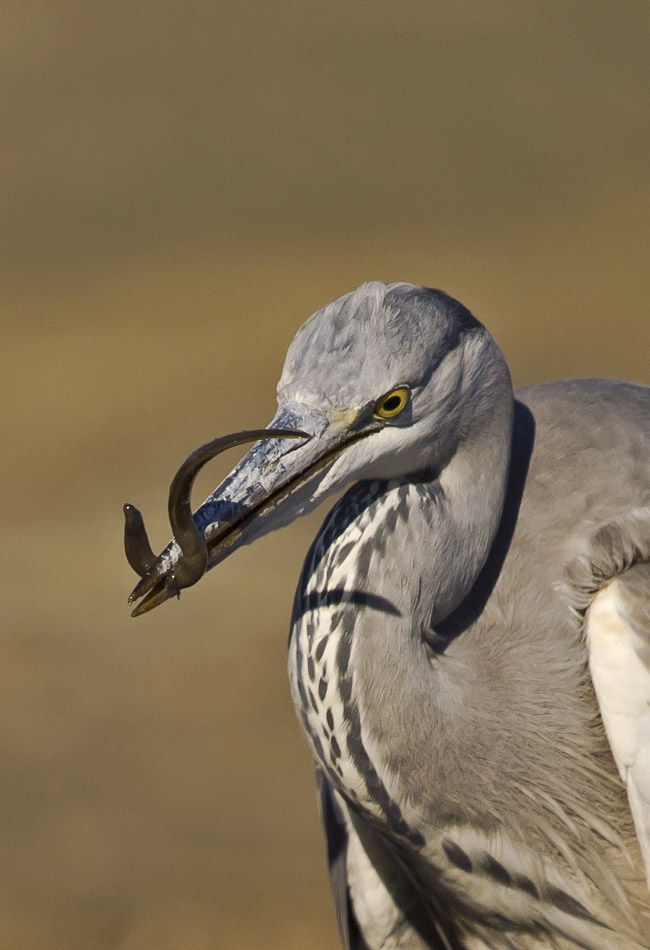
x,y
392,403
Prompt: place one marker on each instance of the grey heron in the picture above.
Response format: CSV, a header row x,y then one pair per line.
x,y
470,639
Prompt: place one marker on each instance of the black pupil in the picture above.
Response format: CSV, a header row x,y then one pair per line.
x,y
392,403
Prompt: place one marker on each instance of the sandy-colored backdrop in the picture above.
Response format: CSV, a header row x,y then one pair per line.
x,y
181,185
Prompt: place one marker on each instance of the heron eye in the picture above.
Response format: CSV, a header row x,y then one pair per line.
x,y
392,403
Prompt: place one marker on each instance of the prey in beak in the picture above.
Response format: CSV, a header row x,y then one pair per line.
x,y
237,510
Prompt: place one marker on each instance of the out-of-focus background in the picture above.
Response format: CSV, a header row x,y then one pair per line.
x,y
181,185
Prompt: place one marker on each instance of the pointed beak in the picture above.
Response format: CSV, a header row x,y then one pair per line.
x,y
269,488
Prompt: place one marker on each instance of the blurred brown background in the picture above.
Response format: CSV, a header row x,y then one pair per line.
x,y
181,185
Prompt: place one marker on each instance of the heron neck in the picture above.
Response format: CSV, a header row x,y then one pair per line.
x,y
392,559
427,540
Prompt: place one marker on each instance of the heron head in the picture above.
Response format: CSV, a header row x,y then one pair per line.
x,y
384,382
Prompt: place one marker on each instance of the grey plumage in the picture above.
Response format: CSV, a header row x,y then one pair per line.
x,y
470,640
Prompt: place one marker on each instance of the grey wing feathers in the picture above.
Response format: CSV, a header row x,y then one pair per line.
x,y
398,916
336,836
635,608
618,640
